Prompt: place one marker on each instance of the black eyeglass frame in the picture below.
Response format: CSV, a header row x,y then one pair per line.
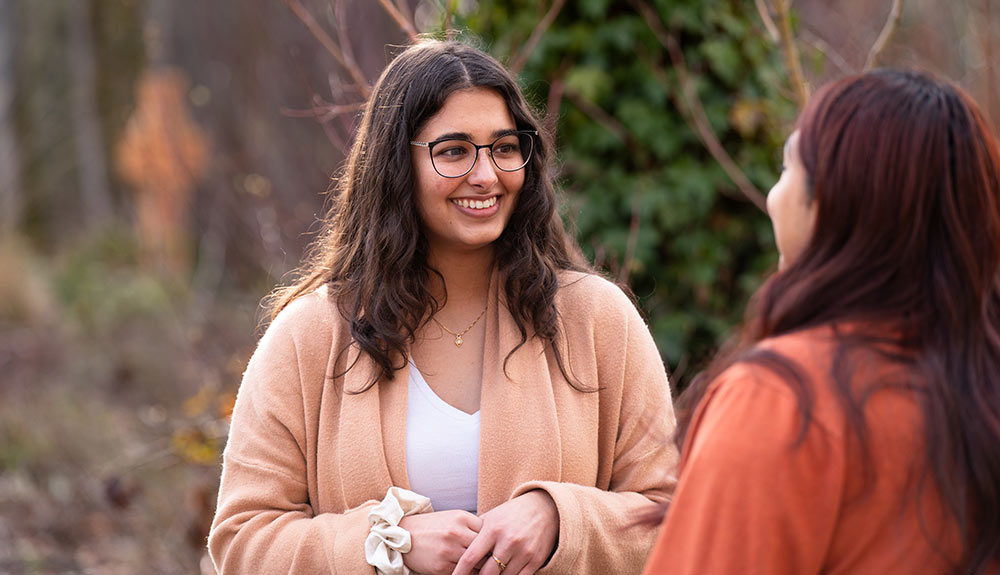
x,y
430,150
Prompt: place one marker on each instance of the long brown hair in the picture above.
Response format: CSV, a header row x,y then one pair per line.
x,y
372,252
905,174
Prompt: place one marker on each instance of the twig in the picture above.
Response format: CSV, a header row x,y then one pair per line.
x,y
343,37
633,237
986,37
597,114
553,104
323,112
449,6
402,21
765,16
317,101
306,18
883,38
791,53
696,118
828,51
521,58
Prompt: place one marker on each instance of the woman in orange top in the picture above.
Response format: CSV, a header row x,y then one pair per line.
x,y
856,427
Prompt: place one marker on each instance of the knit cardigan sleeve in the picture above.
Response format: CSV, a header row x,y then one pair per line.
x,y
597,524
265,522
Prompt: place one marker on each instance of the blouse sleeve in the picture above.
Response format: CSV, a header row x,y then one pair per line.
x,y
597,527
265,522
751,498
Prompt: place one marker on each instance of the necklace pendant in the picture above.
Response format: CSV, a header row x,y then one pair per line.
x,y
458,341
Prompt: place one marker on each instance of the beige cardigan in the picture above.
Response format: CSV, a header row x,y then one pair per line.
x,y
305,461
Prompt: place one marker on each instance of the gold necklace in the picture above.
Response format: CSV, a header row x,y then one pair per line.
x,y
458,336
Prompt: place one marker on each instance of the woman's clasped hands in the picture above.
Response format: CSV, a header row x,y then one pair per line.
x,y
515,538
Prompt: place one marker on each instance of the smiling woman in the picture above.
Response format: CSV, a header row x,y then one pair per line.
x,y
448,388
465,204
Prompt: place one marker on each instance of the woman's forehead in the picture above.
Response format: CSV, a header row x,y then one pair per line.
x,y
472,112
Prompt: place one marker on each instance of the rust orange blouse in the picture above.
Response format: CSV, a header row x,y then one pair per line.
x,y
752,500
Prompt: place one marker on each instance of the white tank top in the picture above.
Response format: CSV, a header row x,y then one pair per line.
x,y
442,448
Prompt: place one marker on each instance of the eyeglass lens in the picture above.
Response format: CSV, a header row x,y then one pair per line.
x,y
453,158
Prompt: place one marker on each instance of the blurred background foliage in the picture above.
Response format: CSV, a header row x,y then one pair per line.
x,y
163,162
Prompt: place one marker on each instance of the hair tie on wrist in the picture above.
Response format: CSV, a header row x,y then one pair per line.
x,y
387,541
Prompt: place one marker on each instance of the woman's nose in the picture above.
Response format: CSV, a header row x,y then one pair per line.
x,y
483,174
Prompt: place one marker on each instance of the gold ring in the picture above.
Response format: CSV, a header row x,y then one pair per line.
x,y
499,562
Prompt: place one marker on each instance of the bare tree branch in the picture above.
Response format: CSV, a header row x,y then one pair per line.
x,y
521,58
449,6
832,55
343,37
792,60
557,87
696,118
883,38
404,23
986,37
306,18
597,114
765,16
324,112
328,127
633,237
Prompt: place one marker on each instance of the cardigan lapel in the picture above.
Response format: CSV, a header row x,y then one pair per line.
x,y
373,460
519,432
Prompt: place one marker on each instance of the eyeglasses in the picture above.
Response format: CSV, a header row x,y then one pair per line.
x,y
453,158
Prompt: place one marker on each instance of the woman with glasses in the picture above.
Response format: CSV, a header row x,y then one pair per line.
x,y
448,388
858,428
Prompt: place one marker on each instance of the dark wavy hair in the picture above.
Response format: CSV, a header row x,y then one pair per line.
x,y
372,252
905,174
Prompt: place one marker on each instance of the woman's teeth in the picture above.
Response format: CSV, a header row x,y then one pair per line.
x,y
476,204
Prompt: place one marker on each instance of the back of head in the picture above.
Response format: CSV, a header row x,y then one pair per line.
x,y
905,173
906,176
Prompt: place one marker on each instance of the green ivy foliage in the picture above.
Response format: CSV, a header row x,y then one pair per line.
x,y
649,203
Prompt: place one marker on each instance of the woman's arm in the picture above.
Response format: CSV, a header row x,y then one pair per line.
x,y
751,498
265,521
608,345
597,527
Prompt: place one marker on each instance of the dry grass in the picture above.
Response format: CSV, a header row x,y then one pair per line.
x,y
111,415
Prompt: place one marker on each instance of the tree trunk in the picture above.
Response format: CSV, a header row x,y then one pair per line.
x,y
11,203
91,157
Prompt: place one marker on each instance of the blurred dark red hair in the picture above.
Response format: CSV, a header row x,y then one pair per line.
x,y
905,172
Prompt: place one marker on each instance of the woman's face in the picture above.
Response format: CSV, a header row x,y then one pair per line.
x,y
791,208
469,212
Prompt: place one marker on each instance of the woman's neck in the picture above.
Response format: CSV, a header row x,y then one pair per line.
x,y
466,276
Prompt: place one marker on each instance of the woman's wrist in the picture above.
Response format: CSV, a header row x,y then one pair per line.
x,y
387,541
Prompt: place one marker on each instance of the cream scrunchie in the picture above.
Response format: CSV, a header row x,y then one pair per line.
x,y
387,541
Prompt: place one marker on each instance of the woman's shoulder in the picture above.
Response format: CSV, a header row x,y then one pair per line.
x,y
804,356
806,364
316,305
312,316
871,349
589,293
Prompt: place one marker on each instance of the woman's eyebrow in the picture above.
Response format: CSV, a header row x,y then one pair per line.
x,y
465,136
500,133
453,136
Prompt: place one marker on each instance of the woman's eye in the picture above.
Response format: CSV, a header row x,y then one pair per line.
x,y
505,149
450,151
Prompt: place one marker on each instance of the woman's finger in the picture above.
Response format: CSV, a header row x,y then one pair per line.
x,y
479,549
512,562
